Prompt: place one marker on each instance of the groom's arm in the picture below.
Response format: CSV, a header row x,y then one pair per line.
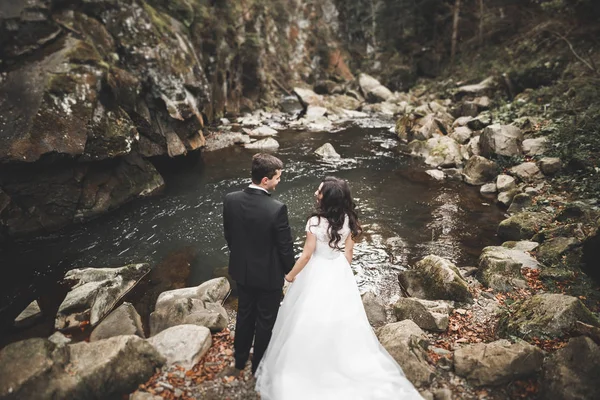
x,y
283,236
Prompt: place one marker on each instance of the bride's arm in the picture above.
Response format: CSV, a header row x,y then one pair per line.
x,y
309,248
349,251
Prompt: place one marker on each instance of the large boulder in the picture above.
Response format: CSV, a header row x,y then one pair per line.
x,y
504,140
500,267
479,170
439,151
498,362
522,226
435,278
546,315
527,172
95,292
552,250
188,311
375,309
123,321
183,345
407,344
535,147
571,373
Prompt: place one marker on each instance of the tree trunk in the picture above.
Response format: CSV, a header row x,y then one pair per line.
x,y
480,23
455,29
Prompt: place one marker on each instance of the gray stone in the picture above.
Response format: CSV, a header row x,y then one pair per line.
x,y
498,362
123,321
571,373
488,188
29,315
500,267
504,140
506,198
527,172
308,97
183,345
263,131
268,143
59,339
522,226
461,134
375,309
505,183
429,315
327,151
535,147
436,174
519,203
373,91
550,165
479,170
552,250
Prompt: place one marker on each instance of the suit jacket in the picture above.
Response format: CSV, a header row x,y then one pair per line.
x,y
259,238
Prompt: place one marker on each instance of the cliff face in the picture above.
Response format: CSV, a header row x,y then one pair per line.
x,y
90,89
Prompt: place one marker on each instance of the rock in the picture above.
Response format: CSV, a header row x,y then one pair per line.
x,y
374,308
123,321
263,131
212,291
500,267
434,278
483,103
504,183
291,105
429,315
461,122
535,147
477,89
268,143
504,140
314,112
436,174
519,203
344,102
473,146
506,198
527,172
442,394
580,211
140,395
182,345
29,315
188,311
406,343
327,151
550,165
479,170
571,373
221,140
481,121
384,108
440,151
551,251
522,226
466,109
308,97
59,339
488,188
545,315
372,90
522,245
95,293
455,174
461,134
498,362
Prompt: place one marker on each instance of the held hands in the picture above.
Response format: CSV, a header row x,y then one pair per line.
x,y
290,278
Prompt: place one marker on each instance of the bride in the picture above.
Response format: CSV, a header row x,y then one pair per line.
x,y
322,345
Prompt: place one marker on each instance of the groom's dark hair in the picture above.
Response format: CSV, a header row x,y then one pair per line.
x,y
264,165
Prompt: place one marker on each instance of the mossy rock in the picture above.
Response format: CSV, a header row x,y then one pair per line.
x,y
552,251
500,268
546,316
435,278
522,226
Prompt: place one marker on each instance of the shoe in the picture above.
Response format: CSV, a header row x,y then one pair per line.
x,y
229,371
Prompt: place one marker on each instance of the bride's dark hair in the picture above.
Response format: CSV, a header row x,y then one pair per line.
x,y
334,206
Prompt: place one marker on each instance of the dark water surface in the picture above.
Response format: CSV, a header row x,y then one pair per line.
x,y
181,230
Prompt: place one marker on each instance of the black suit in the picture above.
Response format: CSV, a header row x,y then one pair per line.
x,y
261,253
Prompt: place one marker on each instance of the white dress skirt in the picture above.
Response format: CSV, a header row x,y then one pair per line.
x,y
323,346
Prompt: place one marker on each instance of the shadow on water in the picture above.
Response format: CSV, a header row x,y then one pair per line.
x,y
406,216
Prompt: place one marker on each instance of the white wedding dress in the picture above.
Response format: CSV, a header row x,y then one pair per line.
x,y
323,346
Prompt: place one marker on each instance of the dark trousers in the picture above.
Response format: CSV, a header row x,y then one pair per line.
x,y
257,312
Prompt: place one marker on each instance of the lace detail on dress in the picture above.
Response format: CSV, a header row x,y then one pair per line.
x,y
320,230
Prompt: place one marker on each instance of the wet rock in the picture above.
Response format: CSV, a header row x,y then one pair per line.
x,y
268,143
221,140
291,105
327,151
506,198
498,362
550,165
183,345
504,183
95,293
522,245
308,97
436,174
407,344
500,267
263,131
571,373
504,140
434,278
188,311
375,309
372,90
29,315
440,151
314,112
522,226
122,321
527,172
545,315
428,315
479,170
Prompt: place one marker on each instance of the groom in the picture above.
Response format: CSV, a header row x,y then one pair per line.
x,y
261,253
